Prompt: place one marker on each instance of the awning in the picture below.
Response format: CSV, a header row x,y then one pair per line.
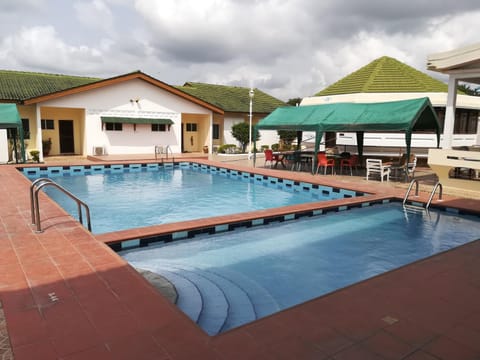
x,y
10,119
404,115
135,120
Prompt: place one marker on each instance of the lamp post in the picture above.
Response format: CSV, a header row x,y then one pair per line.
x,y
250,94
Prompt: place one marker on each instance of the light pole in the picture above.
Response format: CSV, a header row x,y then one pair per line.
x,y
250,94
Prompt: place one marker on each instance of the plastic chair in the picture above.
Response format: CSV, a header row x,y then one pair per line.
x,y
349,163
268,157
376,167
323,161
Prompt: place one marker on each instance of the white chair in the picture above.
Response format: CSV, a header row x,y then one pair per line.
x,y
375,167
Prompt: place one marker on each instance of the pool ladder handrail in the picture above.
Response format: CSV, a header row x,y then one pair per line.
x,y
438,185
40,183
160,150
407,193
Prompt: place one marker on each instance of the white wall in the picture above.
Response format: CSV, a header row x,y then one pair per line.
x,y
267,137
114,100
3,146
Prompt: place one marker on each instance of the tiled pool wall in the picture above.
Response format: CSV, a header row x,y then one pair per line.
x,y
215,229
285,184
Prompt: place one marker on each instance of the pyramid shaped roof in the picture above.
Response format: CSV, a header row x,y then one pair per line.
x,y
385,75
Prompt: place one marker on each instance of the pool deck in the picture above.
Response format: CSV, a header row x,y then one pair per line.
x,y
67,295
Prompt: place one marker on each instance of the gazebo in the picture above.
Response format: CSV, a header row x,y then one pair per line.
x,y
10,119
405,115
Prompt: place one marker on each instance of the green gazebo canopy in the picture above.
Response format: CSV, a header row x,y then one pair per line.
x,y
10,119
405,115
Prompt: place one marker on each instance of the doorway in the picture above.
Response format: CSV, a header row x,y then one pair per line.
x,y
65,129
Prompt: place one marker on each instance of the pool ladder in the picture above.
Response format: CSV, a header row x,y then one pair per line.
x,y
438,185
160,150
36,186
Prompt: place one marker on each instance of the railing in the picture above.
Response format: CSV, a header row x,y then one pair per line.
x,y
432,194
36,186
413,182
438,185
160,150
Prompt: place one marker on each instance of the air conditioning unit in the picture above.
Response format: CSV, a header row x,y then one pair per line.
x,y
98,150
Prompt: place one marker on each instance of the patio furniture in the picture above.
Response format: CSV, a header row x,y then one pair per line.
x,y
268,157
377,168
323,161
403,169
349,163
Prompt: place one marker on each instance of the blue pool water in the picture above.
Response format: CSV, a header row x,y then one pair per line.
x,y
226,280
125,199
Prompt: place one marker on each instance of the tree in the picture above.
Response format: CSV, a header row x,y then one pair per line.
x,y
287,136
240,132
294,101
468,90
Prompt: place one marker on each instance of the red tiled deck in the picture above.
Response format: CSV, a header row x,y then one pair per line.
x,y
66,295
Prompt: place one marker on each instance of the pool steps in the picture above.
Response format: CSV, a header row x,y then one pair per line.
x,y
216,302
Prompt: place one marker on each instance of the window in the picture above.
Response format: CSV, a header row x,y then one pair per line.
x,y
113,126
159,127
465,121
48,124
216,132
26,128
191,127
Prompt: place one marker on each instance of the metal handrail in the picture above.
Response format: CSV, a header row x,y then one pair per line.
x,y
432,194
160,150
40,183
414,181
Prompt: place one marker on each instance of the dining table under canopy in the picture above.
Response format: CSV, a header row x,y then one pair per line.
x,y
404,116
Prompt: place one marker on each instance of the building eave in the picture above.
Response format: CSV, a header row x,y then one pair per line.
x,y
119,79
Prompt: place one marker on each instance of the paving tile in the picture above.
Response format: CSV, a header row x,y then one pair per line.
x,y
445,348
106,311
37,350
388,346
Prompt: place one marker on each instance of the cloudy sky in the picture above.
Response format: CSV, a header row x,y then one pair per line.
x,y
288,48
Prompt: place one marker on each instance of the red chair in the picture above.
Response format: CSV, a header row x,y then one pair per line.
x,y
349,163
268,157
323,161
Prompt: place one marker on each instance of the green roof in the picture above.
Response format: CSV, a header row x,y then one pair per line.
x,y
232,98
19,85
385,75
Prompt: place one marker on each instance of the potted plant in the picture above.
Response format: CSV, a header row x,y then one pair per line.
x,y
35,154
46,146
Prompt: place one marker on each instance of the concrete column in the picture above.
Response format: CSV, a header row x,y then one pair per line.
x,y
39,131
450,112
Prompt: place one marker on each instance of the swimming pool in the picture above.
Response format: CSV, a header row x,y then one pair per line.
x,y
226,280
136,195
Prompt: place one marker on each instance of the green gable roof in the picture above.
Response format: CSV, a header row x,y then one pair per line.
x,y
385,75
232,98
19,85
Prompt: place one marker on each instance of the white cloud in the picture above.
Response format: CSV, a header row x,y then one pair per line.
x,y
40,47
95,14
287,48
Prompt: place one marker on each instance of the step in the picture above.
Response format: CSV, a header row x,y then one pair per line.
x,y
215,305
263,302
241,309
189,298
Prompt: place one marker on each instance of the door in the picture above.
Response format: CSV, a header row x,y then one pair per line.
x,y
65,129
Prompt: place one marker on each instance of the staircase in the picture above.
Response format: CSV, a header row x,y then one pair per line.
x,y
217,302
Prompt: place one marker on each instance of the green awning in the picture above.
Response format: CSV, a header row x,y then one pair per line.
x,y
135,120
404,115
10,119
